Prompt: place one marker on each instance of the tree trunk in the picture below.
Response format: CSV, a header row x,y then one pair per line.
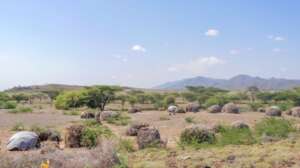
x,y
98,117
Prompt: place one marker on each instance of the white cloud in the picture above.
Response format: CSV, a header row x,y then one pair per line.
x,y
172,69
197,65
276,50
276,38
120,57
212,32
234,51
138,48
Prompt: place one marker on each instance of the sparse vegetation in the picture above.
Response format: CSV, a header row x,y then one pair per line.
x,y
92,134
18,127
274,127
72,112
235,136
8,105
21,109
119,119
189,120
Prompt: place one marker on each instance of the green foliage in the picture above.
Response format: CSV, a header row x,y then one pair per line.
x,y
274,127
169,100
189,96
71,99
235,136
18,127
126,145
195,137
52,94
265,96
4,97
285,105
20,97
8,105
21,110
132,100
255,105
91,135
120,119
218,99
158,104
189,120
100,96
201,94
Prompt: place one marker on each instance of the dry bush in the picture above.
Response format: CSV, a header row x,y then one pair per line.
x,y
73,136
231,108
104,156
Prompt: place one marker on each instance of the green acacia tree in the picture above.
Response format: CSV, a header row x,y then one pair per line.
x,y
97,97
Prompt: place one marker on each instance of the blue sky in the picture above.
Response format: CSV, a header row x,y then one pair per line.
x,y
144,43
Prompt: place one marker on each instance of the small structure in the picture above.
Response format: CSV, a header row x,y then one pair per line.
x,y
193,107
87,115
231,108
273,111
108,114
134,110
180,110
148,137
172,110
22,141
214,109
135,127
73,136
295,112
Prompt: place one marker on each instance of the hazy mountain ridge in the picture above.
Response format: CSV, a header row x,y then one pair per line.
x,y
239,82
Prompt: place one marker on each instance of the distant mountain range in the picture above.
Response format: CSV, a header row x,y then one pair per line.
x,y
239,82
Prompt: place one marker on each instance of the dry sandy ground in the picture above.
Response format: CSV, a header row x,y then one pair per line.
x,y
45,118
170,129
169,126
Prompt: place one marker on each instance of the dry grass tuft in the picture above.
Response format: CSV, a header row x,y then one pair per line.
x,y
103,156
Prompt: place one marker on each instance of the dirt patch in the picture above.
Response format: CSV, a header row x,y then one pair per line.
x,y
171,129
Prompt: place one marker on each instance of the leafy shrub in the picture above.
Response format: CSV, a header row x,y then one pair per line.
x,y
25,109
92,133
21,110
235,136
71,99
274,127
219,99
18,127
4,97
196,136
158,104
286,105
255,105
2,103
189,120
126,145
20,97
9,105
120,119
169,100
